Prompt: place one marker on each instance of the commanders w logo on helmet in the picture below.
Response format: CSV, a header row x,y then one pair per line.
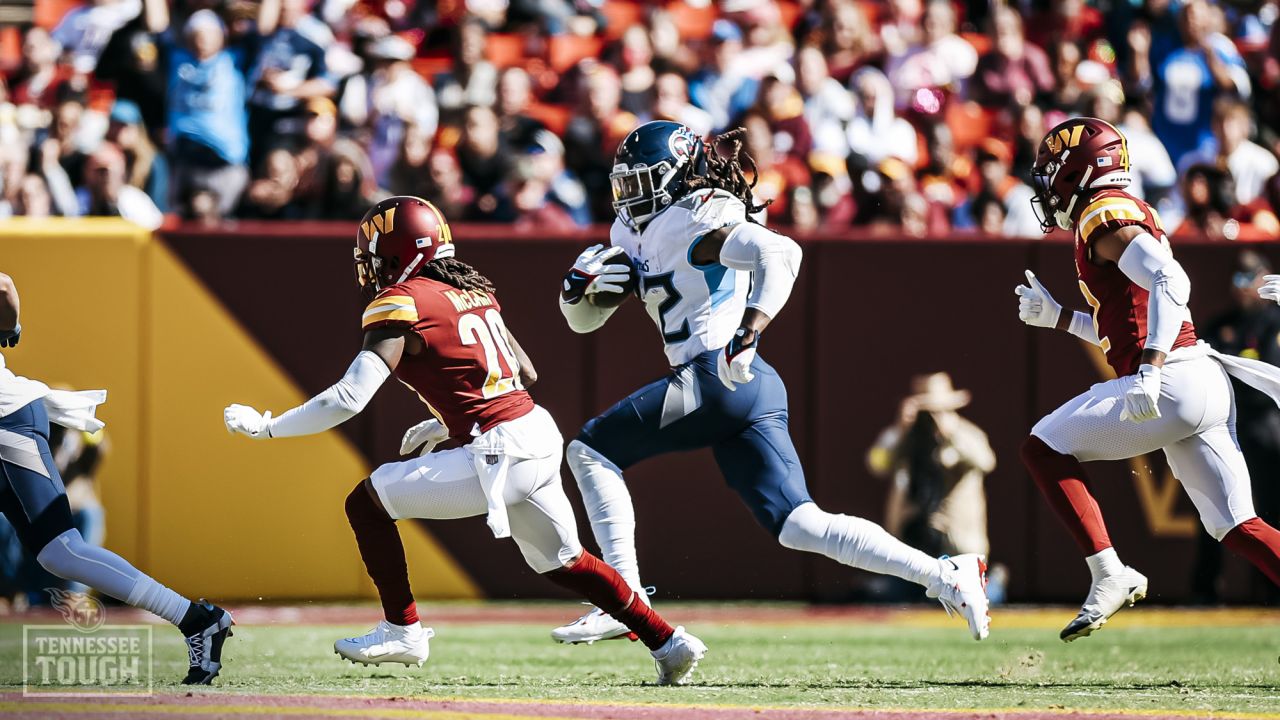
x,y
404,236
1077,158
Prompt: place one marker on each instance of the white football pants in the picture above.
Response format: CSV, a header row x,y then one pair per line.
x,y
1196,429
445,485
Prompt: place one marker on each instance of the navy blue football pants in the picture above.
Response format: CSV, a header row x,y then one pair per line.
x,y
746,430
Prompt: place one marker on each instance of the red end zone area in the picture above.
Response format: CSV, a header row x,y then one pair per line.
x,y
223,705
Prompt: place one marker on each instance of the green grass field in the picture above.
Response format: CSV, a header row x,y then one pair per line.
x,y
1148,665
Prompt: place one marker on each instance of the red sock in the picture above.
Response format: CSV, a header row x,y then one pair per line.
x,y
383,556
593,579
1259,543
1066,487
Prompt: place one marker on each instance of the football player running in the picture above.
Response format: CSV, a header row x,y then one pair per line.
x,y
712,279
1172,391
435,323
34,500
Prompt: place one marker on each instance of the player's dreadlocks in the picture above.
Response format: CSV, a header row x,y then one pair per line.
x,y
725,171
452,271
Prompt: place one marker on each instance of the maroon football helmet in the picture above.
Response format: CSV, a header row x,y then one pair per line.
x,y
396,237
1076,158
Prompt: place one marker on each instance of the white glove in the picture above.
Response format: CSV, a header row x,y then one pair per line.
x,y
1140,400
1270,289
586,277
734,363
247,421
1036,307
427,433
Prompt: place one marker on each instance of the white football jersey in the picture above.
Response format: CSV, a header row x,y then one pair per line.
x,y
696,308
16,391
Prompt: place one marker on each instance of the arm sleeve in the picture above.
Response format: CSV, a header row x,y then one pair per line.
x,y
342,401
1149,264
773,260
1082,327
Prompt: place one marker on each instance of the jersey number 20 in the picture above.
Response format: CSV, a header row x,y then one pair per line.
x,y
491,334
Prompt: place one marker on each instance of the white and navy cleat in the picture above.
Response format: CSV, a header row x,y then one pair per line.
x,y
678,657
408,645
1107,596
963,591
594,626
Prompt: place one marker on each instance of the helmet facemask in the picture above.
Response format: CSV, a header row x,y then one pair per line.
x,y
642,192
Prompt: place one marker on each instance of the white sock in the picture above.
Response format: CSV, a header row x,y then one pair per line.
x,y
151,595
608,504
1104,563
69,556
857,543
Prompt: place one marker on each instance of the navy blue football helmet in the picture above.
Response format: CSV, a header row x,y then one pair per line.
x,y
652,170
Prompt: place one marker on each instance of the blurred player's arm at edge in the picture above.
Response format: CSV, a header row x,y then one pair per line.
x,y
8,303
1150,264
381,353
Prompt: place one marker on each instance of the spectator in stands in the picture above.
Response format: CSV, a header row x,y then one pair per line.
x,y
33,199
515,96
782,105
942,60
774,176
1157,179
900,27
347,187
1250,164
1189,78
767,41
556,17
848,41
1013,72
1067,97
993,163
287,70
802,211
271,196
672,103
876,132
1029,128
449,193
131,62
828,106
944,177
410,173
66,133
319,135
85,29
209,140
38,78
146,167
721,87
1208,196
485,159
472,79
670,52
106,194
988,214
634,63
531,206
594,132
389,99
546,161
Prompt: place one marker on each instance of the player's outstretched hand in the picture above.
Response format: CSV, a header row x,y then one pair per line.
x,y
1142,398
247,421
1036,307
1270,289
9,338
589,275
427,433
734,364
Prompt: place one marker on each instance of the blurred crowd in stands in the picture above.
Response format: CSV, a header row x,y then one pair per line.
x,y
917,117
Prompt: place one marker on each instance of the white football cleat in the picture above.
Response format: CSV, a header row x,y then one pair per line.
x,y
963,591
595,625
678,657
387,643
1107,596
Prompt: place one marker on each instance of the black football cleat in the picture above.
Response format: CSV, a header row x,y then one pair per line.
x,y
206,627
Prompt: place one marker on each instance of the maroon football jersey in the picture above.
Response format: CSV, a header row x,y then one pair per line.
x,y
467,374
1119,305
